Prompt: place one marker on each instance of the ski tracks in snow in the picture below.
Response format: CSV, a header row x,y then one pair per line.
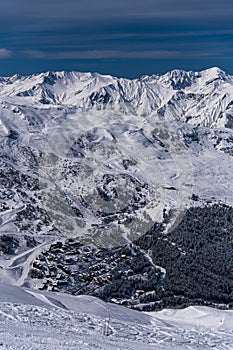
x,y
24,326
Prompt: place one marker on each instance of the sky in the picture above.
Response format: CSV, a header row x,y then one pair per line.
x,y
127,38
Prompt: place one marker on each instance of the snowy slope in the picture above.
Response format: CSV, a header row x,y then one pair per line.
x,y
32,320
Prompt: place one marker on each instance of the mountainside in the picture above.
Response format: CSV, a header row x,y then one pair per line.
x,y
99,162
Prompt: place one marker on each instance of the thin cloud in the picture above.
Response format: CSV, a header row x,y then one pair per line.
x,y
34,54
97,9
115,54
171,34
4,53
101,54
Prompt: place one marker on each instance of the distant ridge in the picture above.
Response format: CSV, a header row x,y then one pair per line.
x,y
199,98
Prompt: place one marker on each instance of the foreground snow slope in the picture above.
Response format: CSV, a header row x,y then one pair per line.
x,y
33,320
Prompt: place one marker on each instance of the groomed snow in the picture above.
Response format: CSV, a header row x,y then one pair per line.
x,y
36,320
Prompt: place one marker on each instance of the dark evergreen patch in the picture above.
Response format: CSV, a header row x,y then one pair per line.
x,y
197,256
8,244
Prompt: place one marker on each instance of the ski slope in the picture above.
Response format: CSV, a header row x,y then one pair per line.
x,y
35,320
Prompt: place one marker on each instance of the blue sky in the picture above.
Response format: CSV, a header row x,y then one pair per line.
x,y
126,38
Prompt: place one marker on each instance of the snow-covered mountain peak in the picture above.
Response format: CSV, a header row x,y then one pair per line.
x,y
216,75
180,79
199,98
213,72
